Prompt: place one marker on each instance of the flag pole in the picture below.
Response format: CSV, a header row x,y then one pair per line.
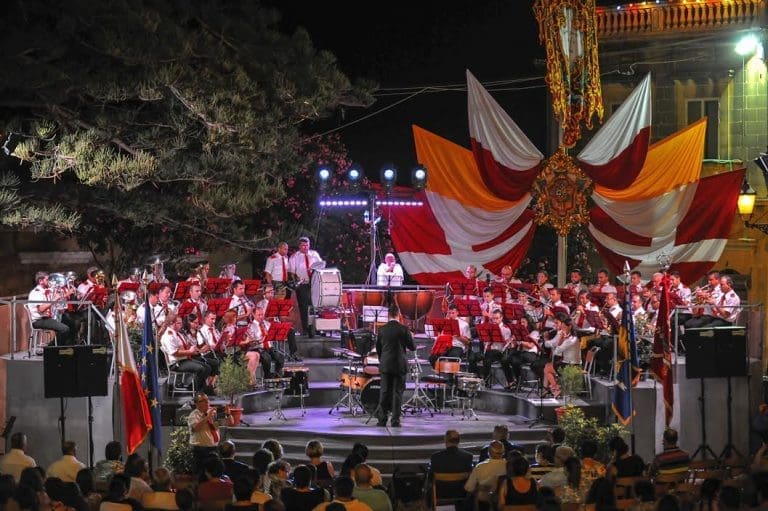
x,y
117,414
631,323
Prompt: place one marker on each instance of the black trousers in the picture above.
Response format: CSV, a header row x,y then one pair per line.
x,y
272,361
391,396
199,455
604,357
304,297
198,367
63,333
516,359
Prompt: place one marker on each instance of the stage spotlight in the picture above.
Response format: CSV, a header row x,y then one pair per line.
x,y
388,177
747,45
419,177
323,175
354,176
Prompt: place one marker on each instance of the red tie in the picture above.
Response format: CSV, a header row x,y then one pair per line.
x,y
264,336
285,274
214,431
306,263
722,299
183,341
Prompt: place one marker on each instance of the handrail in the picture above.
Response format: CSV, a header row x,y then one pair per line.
x,y
679,16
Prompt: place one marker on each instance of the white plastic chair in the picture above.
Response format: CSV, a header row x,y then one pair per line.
x,y
176,378
38,337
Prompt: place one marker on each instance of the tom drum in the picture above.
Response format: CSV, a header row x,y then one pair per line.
x,y
299,380
353,378
371,364
326,288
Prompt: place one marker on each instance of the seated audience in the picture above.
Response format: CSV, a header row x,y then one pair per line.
x,y
232,468
485,476
111,465
243,489
343,487
672,460
557,478
302,496
261,460
117,498
66,467
215,487
544,460
277,471
16,460
85,482
136,468
162,496
622,463
364,491
517,488
324,472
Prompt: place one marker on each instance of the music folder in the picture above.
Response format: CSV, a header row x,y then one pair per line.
x,y
216,286
278,308
186,308
445,326
219,306
594,319
252,286
513,311
182,289
467,307
128,286
464,287
278,332
489,332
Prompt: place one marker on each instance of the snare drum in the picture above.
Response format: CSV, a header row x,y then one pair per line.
x,y
298,380
276,383
354,378
326,288
448,365
470,386
371,364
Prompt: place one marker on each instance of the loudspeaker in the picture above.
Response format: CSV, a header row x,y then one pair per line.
x,y
75,371
716,352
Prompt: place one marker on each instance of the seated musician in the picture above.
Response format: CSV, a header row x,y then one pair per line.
x,y
196,301
459,343
723,310
583,329
272,360
389,273
565,351
208,337
555,305
164,304
704,297
471,274
263,304
181,354
542,281
680,299
226,344
191,330
604,340
526,351
494,351
42,314
488,306
576,285
156,310
603,283
85,286
240,303
507,276
635,283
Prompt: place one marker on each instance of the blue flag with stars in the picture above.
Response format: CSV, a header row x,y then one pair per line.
x,y
627,367
148,375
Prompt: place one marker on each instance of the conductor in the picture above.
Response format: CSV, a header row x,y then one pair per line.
x,y
393,339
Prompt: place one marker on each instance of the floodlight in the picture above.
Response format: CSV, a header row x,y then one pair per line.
x,y
419,177
323,175
354,176
388,177
747,45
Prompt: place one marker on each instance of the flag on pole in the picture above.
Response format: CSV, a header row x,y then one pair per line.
x,y
136,415
148,373
627,369
661,358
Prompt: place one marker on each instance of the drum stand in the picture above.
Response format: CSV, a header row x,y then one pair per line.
x,y
467,406
419,400
348,399
277,413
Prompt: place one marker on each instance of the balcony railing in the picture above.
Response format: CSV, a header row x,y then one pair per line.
x,y
679,16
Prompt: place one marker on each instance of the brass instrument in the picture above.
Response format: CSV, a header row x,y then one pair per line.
x,y
101,278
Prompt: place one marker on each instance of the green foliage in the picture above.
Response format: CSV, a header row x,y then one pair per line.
x,y
233,379
571,380
149,125
179,455
578,427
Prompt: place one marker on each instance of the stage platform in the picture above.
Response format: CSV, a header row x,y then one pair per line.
x,y
22,378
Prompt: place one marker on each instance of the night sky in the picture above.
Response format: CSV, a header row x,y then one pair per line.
x,y
425,43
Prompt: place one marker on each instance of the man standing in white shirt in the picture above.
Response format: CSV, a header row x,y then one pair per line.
x,y
389,273
16,459
203,430
300,266
276,269
66,467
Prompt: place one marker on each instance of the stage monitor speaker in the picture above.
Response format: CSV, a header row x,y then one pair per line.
x,y
716,352
75,371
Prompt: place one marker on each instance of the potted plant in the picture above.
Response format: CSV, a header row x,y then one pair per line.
x,y
232,381
571,381
578,427
178,457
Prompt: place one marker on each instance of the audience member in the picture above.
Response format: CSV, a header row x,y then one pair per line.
x,y
672,460
16,460
7,487
258,496
645,493
501,434
302,496
452,459
557,478
324,472
66,467
277,472
364,491
185,500
243,489
517,488
484,478
112,464
261,460
556,436
544,460
274,447
576,487
591,468
343,487
622,463
136,468
232,468
360,455
162,496
601,495
117,494
215,487
85,482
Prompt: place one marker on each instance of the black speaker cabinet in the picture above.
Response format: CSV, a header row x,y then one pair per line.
x,y
716,352
75,371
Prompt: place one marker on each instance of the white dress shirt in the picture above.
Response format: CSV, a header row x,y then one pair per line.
x,y
300,264
274,267
39,294
65,468
387,277
14,461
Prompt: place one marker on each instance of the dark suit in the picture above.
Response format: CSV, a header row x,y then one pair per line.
x,y
508,446
391,343
451,460
235,469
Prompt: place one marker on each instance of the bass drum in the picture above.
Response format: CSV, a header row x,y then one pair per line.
x,y
369,397
326,288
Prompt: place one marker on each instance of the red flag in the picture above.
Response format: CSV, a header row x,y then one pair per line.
x,y
136,415
661,359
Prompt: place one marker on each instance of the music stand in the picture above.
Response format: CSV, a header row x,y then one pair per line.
x,y
278,332
612,322
598,298
128,286
252,286
182,289
97,295
557,309
154,287
445,326
468,307
489,332
186,308
513,311
594,319
567,295
500,291
466,287
278,308
216,286
219,306
238,336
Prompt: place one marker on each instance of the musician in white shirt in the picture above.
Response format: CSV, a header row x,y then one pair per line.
x,y
636,283
706,297
180,353
276,269
198,304
566,345
240,303
300,266
580,323
209,336
389,273
494,351
525,352
256,340
604,357
42,314
603,283
725,309
488,306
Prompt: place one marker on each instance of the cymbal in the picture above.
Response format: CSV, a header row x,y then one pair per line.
x,y
157,258
415,361
344,352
